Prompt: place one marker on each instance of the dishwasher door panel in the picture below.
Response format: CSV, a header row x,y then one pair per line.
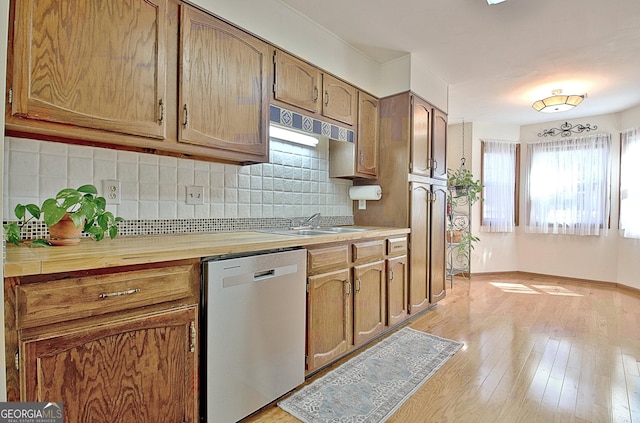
x,y
255,331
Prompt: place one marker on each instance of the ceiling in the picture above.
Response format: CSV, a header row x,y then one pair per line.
x,y
497,60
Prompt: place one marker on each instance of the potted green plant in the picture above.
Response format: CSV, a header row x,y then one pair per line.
x,y
80,208
461,182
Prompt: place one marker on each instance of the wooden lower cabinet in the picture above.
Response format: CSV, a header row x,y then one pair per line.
x,y
141,369
115,345
369,301
347,307
397,290
329,327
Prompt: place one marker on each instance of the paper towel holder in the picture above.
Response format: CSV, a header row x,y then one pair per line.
x,y
363,193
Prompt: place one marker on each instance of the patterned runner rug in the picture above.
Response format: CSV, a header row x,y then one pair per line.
x,y
371,386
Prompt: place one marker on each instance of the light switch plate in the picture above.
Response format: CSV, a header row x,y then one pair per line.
x,y
195,194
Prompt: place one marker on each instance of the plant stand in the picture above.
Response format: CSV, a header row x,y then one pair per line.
x,y
458,229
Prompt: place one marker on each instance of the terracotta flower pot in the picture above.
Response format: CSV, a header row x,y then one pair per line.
x,y
65,232
454,236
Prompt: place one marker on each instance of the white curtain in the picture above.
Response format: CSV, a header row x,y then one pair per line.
x,y
567,185
498,178
629,187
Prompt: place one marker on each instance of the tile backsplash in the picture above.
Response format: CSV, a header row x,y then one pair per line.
x,y
294,184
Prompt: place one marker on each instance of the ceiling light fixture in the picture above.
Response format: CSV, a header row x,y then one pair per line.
x,y
557,102
292,136
494,1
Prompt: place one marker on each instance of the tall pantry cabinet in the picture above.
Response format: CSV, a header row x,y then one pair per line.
x,y
413,175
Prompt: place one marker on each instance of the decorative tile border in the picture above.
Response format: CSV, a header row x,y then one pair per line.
x,y
38,229
291,119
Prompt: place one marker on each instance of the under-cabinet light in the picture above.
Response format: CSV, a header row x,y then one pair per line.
x,y
292,136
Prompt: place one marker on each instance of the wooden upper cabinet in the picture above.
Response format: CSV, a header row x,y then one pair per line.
x,y
91,64
223,88
340,100
439,145
297,82
367,140
420,137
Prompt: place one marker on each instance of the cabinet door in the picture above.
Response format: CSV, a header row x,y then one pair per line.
x,y
340,100
129,370
369,305
329,323
367,140
224,100
437,285
396,290
439,145
92,64
420,137
419,248
297,82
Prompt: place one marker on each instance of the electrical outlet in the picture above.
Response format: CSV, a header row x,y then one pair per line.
x,y
111,191
195,194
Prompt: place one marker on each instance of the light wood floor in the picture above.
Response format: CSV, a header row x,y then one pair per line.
x,y
537,349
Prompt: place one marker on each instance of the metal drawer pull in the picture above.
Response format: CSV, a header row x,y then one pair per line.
x,y
117,294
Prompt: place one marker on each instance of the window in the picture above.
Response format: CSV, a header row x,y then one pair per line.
x,y
629,188
567,187
500,170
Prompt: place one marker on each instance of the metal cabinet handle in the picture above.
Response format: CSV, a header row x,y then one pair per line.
x,y
194,336
390,275
186,116
161,107
358,285
326,98
361,157
119,293
315,94
348,288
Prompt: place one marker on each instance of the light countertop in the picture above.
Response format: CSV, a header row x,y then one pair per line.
x,y
25,260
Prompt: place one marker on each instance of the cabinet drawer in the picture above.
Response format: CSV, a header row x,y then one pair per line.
x,y
396,246
323,259
368,251
44,303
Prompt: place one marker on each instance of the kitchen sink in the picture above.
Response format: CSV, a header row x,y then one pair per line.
x,y
341,229
315,231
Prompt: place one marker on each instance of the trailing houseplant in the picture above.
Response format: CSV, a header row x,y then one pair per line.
x,y
463,189
83,206
462,182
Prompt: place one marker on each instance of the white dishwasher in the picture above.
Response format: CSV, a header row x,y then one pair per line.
x,y
253,332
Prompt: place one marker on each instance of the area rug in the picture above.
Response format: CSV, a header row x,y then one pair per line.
x,y
371,386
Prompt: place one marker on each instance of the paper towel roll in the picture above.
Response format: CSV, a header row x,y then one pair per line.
x,y
365,192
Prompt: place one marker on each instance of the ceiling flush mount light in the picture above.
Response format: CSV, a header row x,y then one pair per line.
x,y
292,136
557,102
494,1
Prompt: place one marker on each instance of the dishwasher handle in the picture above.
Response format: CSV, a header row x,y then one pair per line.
x,y
257,276
265,274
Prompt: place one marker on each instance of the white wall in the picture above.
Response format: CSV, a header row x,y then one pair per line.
x,y
608,257
586,257
629,249
495,251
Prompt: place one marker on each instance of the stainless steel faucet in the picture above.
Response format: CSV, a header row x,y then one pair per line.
x,y
307,222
